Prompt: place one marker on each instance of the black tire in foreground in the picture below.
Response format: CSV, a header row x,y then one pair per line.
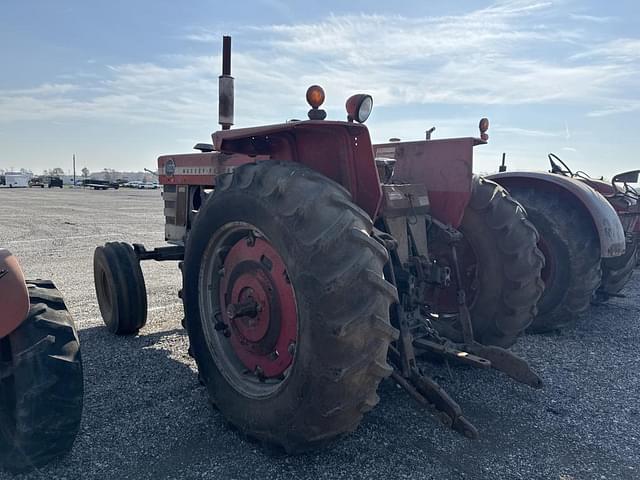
x,y
571,248
292,238
616,272
120,288
41,400
500,266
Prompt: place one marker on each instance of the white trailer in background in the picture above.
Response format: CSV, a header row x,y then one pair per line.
x,y
14,180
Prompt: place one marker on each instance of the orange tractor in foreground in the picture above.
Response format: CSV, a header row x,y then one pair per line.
x,y
313,270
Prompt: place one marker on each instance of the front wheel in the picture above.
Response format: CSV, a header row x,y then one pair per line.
x,y
286,305
120,288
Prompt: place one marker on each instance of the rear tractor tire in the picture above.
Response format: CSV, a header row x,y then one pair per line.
x,y
500,265
120,288
41,399
286,304
570,244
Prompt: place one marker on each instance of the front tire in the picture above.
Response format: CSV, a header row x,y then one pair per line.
x,y
41,401
120,288
295,244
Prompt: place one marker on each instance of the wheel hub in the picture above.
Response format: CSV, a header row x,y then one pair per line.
x,y
259,307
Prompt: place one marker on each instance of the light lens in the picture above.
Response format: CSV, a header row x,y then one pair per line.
x,y
365,109
359,107
315,96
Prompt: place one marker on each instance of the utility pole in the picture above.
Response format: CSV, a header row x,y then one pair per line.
x,y
74,170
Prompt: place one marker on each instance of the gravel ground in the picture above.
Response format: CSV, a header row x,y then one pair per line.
x,y
146,415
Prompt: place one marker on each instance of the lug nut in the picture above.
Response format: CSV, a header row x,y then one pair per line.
x,y
221,326
259,373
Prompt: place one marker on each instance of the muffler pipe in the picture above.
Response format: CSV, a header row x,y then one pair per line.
x,y
225,87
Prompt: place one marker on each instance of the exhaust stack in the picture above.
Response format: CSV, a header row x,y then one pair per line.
x,y
225,87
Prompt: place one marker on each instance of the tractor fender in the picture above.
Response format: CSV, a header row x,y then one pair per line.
x,y
14,298
341,151
603,216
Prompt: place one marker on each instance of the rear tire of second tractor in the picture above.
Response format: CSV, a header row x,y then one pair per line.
x,y
500,266
286,304
568,240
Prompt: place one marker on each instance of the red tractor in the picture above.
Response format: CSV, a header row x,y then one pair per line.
x,y
312,270
586,229
41,383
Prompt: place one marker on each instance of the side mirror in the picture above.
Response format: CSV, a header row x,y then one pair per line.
x,y
627,177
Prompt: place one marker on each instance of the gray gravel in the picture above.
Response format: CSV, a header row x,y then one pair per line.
x,y
146,416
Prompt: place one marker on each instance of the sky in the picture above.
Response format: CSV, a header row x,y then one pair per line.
x,y
119,83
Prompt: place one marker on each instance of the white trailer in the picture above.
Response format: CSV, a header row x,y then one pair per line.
x,y
15,180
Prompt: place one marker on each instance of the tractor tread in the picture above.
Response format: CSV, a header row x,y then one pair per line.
x,y
339,282
117,269
47,384
561,305
494,214
616,273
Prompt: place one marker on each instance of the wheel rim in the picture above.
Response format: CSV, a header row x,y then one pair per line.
x,y
248,309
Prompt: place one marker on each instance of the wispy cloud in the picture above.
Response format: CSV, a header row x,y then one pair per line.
x,y
591,18
631,106
489,56
620,50
525,132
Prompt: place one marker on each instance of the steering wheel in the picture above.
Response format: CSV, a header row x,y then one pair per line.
x,y
557,169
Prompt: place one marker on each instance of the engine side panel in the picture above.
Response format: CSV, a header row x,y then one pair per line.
x,y
605,219
443,166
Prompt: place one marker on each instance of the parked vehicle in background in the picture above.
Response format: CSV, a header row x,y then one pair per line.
x,y
100,184
14,180
42,181
37,182
55,182
148,185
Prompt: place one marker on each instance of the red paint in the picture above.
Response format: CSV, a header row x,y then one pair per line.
x,y
200,168
341,151
262,341
444,166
